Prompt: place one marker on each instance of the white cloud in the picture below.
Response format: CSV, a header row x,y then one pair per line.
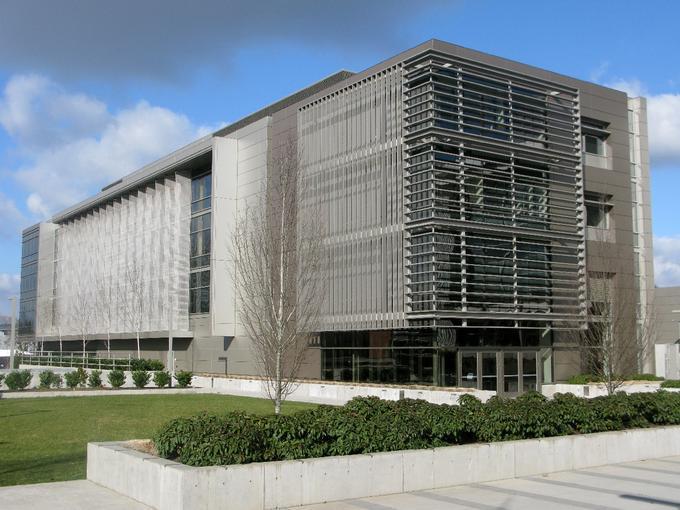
x,y
667,261
11,219
72,145
9,286
664,129
39,114
663,114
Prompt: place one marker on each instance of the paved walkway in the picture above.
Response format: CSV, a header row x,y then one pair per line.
x,y
653,484
635,485
77,495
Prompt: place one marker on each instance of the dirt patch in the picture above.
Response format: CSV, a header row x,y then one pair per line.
x,y
142,445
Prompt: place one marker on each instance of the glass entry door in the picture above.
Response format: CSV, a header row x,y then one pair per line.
x,y
489,371
468,369
520,372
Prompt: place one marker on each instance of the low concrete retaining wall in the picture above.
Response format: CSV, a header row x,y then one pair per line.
x,y
167,485
338,393
598,390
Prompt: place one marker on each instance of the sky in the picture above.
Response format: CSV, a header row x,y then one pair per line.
x,y
90,91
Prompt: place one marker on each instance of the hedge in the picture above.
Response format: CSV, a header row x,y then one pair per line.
x,y
671,383
369,425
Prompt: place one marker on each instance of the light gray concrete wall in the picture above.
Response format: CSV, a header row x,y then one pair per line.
x,y
667,299
339,393
167,485
599,390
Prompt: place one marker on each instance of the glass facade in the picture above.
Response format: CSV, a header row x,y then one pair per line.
x,y
29,283
497,360
200,239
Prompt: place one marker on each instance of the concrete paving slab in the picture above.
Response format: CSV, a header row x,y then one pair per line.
x,y
650,484
76,495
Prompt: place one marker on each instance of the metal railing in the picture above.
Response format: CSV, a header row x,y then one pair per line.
x,y
89,360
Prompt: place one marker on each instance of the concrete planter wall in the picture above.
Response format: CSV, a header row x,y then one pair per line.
x,y
167,485
339,393
598,390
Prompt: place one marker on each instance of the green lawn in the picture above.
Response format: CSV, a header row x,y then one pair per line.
x,y
44,439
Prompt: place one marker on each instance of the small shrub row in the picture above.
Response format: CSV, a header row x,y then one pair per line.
x,y
369,425
21,379
671,383
589,378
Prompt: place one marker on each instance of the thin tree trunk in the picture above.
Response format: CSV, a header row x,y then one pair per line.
x,y
277,391
108,343
139,351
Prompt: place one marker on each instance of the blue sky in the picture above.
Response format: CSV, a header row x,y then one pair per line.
x,y
90,91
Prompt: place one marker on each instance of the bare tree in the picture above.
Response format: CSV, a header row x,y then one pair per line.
x,y
134,299
58,319
43,319
105,306
278,273
620,331
81,312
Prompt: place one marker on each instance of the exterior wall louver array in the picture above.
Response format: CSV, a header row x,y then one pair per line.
x,y
351,149
492,177
142,236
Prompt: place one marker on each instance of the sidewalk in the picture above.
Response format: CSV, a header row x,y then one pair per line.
x,y
76,495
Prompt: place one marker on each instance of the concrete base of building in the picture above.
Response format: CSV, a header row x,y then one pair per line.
x,y
338,392
168,485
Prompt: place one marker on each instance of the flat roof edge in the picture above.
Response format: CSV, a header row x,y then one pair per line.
x,y
146,173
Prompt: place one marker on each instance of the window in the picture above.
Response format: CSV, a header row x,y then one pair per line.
x,y
597,210
199,292
200,240
199,256
595,134
600,287
593,145
201,188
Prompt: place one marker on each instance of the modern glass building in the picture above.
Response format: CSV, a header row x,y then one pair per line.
x,y
462,196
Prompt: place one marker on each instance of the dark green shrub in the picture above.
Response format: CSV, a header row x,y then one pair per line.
x,y
150,365
645,377
141,378
49,379
670,383
94,380
116,378
161,379
368,424
183,378
72,379
583,379
82,376
18,379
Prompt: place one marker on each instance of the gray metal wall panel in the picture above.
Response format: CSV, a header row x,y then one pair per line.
x,y
351,147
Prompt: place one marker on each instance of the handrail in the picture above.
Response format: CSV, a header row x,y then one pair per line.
x,y
76,359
